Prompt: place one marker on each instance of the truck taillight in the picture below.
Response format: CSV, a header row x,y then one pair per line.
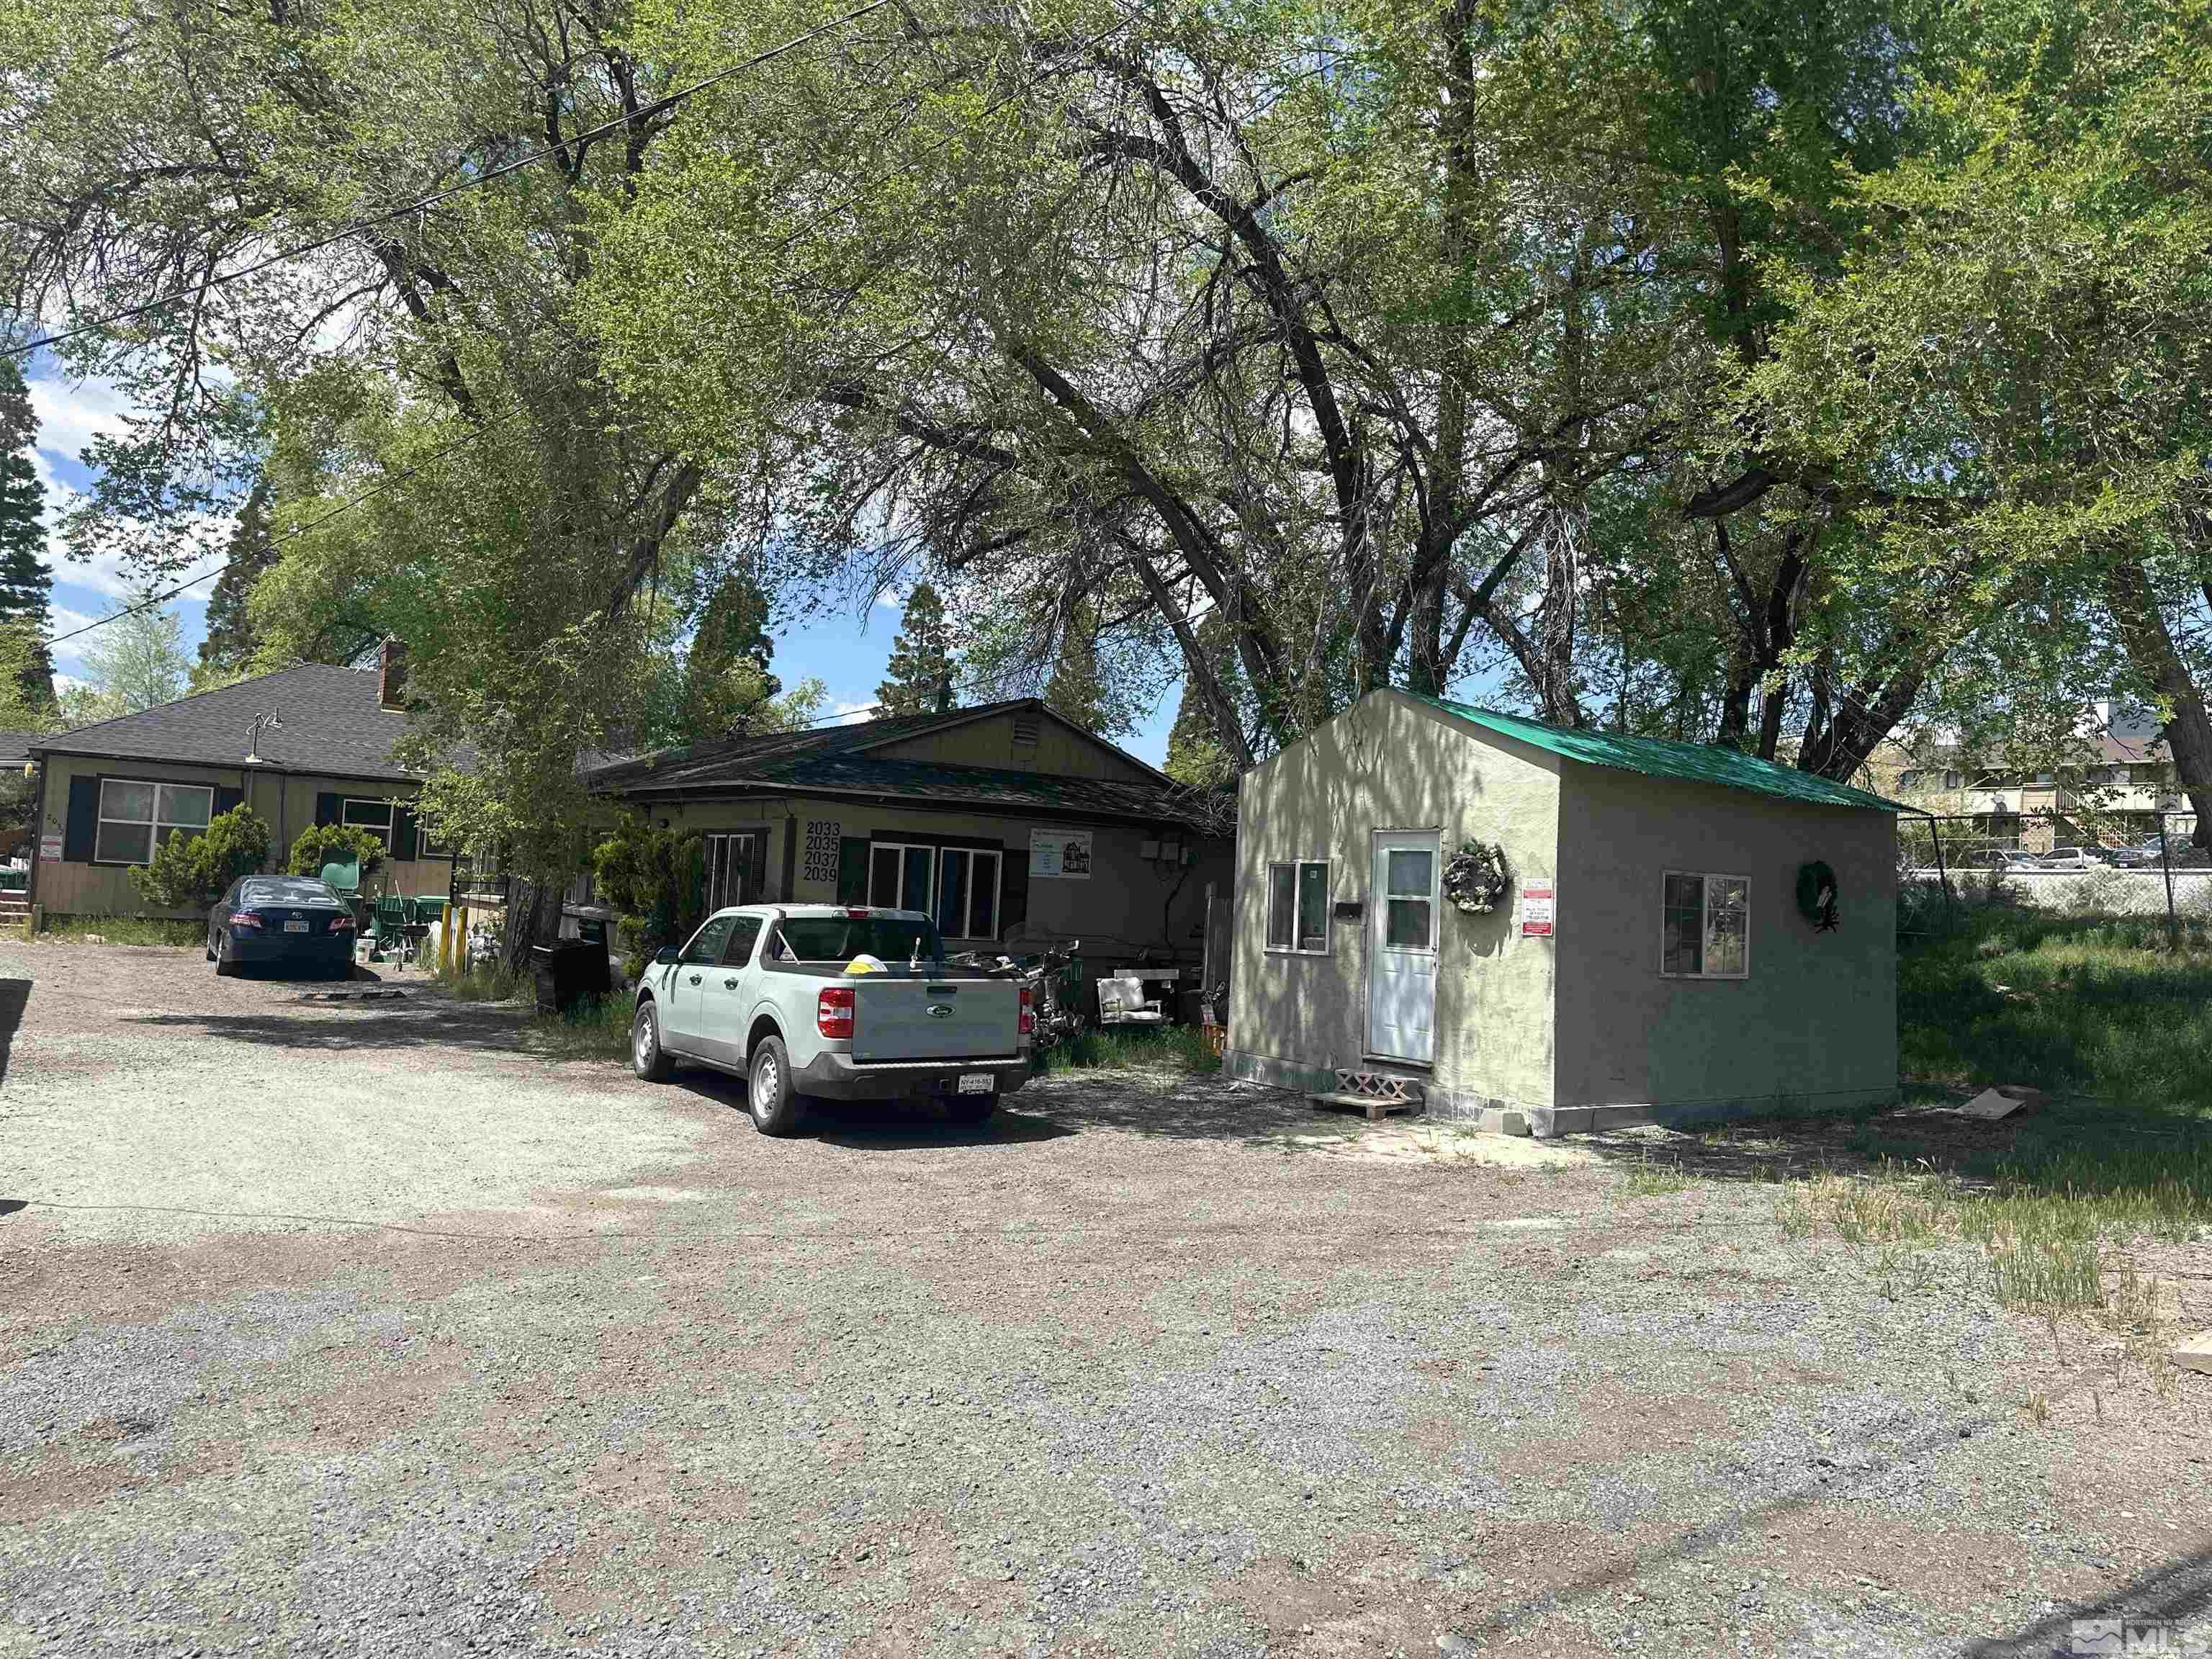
x,y
1029,1012
833,1011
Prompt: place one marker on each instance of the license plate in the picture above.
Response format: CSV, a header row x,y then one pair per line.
x,y
975,1083
295,927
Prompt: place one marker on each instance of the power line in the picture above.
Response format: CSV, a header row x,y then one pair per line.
x,y
434,197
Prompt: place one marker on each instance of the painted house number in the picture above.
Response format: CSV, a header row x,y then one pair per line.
x,y
822,843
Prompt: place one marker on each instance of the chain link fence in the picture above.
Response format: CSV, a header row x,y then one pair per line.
x,y
2109,864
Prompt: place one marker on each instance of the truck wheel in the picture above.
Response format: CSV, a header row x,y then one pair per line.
x,y
647,1057
775,1108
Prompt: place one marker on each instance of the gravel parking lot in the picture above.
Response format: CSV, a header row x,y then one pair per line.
x,y
338,1328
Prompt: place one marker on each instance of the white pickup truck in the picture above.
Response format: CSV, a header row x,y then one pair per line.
x,y
760,991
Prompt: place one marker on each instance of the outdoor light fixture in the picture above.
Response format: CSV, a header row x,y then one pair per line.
x,y
272,722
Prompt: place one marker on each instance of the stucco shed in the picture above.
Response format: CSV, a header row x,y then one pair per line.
x,y
1678,978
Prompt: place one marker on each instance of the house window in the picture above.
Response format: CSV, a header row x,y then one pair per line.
x,y
729,867
1907,778
1298,908
1704,927
2046,777
135,816
967,894
2120,776
899,876
1950,779
373,815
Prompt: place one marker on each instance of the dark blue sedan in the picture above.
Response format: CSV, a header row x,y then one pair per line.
x,y
294,923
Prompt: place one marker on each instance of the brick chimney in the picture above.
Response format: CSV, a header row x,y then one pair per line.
x,y
391,675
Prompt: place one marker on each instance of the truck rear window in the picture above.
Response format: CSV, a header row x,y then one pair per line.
x,y
840,938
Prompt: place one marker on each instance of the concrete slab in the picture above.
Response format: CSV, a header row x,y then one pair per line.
x,y
2194,1354
1991,1105
1499,1121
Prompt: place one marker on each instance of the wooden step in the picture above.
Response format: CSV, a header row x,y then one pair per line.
x,y
1375,1108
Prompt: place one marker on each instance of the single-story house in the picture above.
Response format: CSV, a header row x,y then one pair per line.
x,y
1662,945
309,746
1015,828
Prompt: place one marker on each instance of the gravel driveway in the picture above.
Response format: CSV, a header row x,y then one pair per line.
x,y
390,1334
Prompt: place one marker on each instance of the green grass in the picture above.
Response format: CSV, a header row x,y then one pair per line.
x,y
1170,1047
596,1029
485,982
124,929
1645,1179
2103,1007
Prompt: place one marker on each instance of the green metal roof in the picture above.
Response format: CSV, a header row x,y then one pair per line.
x,y
1657,757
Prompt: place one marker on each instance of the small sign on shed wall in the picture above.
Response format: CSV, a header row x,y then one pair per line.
x,y
1537,910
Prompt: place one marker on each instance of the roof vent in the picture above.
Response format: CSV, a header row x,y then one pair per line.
x,y
1025,731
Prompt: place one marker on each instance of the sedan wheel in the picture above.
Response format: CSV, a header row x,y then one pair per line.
x,y
224,967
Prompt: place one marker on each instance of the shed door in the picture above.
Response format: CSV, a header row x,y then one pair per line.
x,y
1401,973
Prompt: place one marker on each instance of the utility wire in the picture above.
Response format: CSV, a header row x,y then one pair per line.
x,y
346,506
434,197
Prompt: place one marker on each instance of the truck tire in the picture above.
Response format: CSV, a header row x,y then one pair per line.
x,y
776,1108
647,1057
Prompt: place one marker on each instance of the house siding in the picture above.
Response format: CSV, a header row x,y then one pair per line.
x,y
1391,762
1129,904
1813,1025
990,742
285,801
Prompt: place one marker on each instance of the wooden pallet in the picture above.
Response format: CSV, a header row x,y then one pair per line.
x,y
1373,1107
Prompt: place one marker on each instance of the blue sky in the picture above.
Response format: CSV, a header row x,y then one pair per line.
x,y
847,648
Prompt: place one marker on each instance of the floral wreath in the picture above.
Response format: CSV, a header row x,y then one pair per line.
x,y
1474,877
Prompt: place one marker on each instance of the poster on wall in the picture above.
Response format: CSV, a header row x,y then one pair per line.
x,y
1064,853
1536,910
50,849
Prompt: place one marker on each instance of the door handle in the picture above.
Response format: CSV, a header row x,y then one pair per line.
x,y
694,978
732,983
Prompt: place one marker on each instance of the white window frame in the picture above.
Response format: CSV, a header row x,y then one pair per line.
x,y
718,890
160,826
1300,871
1706,879
998,857
897,900
386,832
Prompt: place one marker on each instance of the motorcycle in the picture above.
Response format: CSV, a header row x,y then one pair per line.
x,y
1041,973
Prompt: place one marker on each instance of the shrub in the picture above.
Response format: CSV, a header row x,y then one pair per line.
x,y
335,843
656,878
192,871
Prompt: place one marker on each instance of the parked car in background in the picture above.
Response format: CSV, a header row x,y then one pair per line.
x,y
2017,859
2134,858
2075,857
286,922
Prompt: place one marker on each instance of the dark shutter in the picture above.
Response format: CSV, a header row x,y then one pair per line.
x,y
227,799
1014,891
83,831
327,809
757,868
403,833
852,869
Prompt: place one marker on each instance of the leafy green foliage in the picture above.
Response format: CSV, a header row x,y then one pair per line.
x,y
319,844
193,872
135,662
26,583
919,677
655,877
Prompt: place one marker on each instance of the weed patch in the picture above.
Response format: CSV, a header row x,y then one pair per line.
x,y
123,930
1157,1048
597,1028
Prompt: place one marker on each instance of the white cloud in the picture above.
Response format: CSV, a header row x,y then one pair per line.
x,y
70,416
846,713
888,600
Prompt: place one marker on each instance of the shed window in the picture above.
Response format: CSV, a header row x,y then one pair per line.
x,y
1704,927
900,876
1298,908
135,816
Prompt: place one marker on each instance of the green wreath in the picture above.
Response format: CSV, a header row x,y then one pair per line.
x,y
1816,896
1474,877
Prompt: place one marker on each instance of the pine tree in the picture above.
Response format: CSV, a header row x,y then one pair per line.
x,y
230,642
1196,756
920,668
727,690
1074,693
26,585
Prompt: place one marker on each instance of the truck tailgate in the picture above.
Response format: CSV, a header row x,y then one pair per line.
x,y
944,1019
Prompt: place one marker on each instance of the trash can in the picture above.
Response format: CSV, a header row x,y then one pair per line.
x,y
566,973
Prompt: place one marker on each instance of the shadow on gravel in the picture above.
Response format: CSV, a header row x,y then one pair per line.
x,y
882,1126
14,997
1172,1105
2179,1591
378,1027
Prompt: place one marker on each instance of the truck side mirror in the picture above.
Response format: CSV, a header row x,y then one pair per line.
x,y
667,956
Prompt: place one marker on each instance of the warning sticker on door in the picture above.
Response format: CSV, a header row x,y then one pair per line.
x,y
1536,910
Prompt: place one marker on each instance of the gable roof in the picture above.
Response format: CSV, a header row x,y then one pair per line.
x,y
333,723
711,763
839,760
1657,758
15,746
